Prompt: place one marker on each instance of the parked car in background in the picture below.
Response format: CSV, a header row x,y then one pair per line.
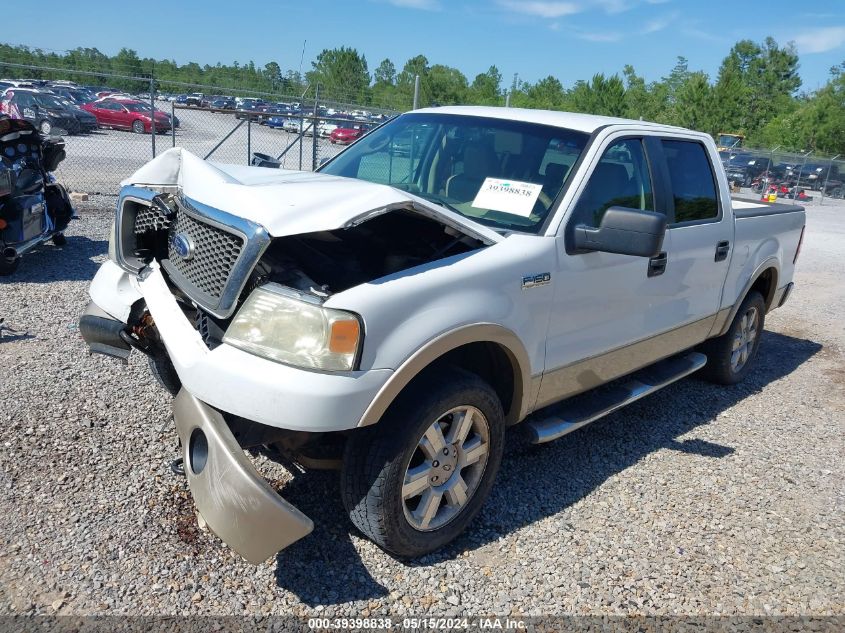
x,y
347,133
45,111
79,96
222,103
194,99
292,125
743,168
272,109
181,100
250,109
129,114
276,122
325,128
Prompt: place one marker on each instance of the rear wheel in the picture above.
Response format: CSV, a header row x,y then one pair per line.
x,y
414,482
729,356
138,127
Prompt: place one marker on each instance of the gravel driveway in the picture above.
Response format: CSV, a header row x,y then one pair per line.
x,y
697,500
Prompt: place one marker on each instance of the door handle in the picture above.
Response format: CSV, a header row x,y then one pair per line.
x,y
657,265
722,250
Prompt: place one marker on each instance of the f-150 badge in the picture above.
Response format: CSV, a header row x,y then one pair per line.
x,y
532,281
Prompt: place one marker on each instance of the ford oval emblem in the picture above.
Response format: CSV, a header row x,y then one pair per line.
x,y
183,246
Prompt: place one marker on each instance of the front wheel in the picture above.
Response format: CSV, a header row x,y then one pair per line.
x,y
729,356
413,482
138,127
59,239
45,127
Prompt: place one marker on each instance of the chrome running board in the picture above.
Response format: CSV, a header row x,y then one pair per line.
x,y
558,420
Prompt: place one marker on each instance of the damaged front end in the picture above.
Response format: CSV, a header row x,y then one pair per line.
x,y
188,270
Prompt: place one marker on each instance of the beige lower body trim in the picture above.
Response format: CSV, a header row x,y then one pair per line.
x,y
562,383
237,504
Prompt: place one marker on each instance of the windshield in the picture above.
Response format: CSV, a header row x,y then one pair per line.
x,y
137,107
504,174
730,140
47,101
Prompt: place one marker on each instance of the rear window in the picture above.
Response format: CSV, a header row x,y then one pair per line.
x,y
693,184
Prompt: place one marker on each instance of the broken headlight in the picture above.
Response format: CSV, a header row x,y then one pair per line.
x,y
284,326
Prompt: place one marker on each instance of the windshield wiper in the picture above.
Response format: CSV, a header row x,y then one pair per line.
x,y
439,200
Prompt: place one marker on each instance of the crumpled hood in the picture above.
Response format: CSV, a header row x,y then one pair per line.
x,y
288,202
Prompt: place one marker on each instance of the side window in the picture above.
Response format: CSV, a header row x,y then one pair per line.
x,y
621,179
693,185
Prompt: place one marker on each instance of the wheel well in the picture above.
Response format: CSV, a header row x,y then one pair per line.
x,y
492,363
766,284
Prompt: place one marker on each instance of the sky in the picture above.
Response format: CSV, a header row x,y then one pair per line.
x,y
534,38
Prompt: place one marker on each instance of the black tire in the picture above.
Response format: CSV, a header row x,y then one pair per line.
x,y
59,239
45,127
9,267
719,368
138,126
165,374
376,460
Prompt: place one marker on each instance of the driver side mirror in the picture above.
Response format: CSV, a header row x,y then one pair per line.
x,y
624,231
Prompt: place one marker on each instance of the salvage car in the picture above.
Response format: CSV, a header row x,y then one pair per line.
x,y
346,133
128,114
391,315
46,111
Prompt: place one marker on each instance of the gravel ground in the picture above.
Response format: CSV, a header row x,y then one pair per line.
x,y
697,500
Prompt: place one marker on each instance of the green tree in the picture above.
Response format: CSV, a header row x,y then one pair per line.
x,y
486,87
693,103
730,99
385,73
341,74
446,85
405,82
547,93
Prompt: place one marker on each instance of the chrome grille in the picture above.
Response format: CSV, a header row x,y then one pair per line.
x,y
151,219
224,248
215,252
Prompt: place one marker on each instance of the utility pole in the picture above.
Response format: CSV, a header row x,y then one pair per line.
x,y
302,57
416,92
153,114
800,171
826,178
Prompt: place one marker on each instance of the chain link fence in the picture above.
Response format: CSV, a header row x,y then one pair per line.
x,y
226,126
774,173
295,132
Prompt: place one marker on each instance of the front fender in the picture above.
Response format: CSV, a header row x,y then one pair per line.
x,y
446,342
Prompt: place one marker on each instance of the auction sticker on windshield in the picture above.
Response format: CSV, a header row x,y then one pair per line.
x,y
508,196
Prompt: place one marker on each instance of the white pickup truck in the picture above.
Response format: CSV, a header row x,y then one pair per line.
x,y
456,271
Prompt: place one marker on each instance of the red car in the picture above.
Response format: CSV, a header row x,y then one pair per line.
x,y
348,133
128,114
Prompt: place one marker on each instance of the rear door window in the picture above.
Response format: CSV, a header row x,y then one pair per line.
x,y
692,181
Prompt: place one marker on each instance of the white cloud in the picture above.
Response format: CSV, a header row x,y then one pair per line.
x,y
820,40
427,5
659,23
600,36
540,8
616,6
